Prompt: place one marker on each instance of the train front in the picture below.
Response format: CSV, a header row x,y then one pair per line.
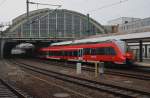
x,y
126,52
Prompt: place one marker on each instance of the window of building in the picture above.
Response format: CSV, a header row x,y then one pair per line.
x,y
126,22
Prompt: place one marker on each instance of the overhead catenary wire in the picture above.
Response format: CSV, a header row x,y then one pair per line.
x,y
107,6
49,12
44,4
36,3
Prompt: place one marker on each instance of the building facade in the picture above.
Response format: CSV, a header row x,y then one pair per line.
x,y
141,25
131,25
48,23
122,20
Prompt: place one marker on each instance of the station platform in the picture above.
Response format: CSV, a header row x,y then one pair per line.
x,y
145,63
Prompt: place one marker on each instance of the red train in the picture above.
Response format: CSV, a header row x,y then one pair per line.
x,y
108,51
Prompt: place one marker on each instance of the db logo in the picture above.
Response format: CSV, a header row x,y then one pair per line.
x,y
80,58
93,56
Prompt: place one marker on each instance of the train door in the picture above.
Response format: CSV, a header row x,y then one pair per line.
x,y
80,54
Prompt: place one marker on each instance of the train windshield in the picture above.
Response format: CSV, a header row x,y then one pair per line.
x,y
122,45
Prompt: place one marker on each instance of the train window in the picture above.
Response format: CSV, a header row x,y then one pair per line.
x,y
65,53
70,53
61,53
50,53
86,51
80,52
75,53
100,51
105,51
55,53
111,51
93,51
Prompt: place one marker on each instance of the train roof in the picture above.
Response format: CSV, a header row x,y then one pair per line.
x,y
112,37
76,42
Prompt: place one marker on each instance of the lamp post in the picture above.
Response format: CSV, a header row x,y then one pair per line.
x,y
27,2
1,30
88,27
28,21
1,42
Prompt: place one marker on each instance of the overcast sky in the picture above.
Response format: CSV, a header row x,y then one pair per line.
x,y
10,9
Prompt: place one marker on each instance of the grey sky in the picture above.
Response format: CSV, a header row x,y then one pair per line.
x,y
131,8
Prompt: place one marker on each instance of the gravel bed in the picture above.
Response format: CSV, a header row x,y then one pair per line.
x,y
116,80
37,86
75,88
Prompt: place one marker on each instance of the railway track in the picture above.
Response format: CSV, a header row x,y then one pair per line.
x,y
109,88
130,75
7,91
123,73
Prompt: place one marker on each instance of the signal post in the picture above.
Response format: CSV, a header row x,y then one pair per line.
x,y
79,66
99,68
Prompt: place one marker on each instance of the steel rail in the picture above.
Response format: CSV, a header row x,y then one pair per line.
x,y
107,71
9,91
109,88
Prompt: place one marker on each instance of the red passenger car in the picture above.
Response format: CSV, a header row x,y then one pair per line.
x,y
108,51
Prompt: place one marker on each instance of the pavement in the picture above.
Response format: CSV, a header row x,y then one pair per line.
x,y
146,62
